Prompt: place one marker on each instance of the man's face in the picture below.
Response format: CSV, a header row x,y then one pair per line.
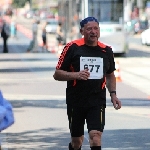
x,y
91,33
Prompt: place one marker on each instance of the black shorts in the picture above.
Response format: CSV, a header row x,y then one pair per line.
x,y
94,116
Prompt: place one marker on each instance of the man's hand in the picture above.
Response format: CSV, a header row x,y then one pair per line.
x,y
116,102
83,75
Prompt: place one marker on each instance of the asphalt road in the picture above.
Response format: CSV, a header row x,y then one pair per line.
x,y
40,110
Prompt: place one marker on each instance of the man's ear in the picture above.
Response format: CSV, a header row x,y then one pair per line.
x,y
81,31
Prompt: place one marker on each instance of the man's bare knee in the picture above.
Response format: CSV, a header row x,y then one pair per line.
x,y
76,142
95,138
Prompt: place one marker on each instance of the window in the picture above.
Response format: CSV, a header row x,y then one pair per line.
x,y
106,10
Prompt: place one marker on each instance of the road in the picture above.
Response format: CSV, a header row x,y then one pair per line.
x,y
39,101
136,65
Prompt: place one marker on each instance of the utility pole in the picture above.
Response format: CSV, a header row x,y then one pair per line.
x,y
30,4
66,18
70,14
78,9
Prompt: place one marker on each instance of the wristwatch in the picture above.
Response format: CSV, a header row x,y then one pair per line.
x,y
112,92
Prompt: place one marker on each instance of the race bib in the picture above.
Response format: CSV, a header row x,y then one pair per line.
x,y
94,66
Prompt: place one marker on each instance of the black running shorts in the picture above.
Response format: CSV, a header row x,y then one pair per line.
x,y
94,117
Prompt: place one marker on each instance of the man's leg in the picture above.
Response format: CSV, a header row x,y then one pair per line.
x,y
76,143
35,47
76,126
71,147
30,47
5,49
95,139
95,124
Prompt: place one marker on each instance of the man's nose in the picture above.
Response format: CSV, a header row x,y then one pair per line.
x,y
93,31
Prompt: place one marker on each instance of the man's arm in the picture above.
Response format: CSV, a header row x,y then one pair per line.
x,y
62,75
111,86
111,82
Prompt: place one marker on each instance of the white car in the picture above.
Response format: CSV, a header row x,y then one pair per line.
x,y
51,26
145,37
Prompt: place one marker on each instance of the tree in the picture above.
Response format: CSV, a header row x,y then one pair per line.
x,y
19,3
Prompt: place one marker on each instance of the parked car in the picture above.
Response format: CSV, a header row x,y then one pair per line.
x,y
145,37
51,26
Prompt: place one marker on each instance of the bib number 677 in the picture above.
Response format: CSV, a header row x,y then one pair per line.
x,y
91,68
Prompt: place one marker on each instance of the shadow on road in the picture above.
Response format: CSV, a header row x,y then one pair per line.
x,y
15,48
58,138
128,141
29,68
39,103
53,103
43,139
51,139
135,53
138,53
27,59
33,69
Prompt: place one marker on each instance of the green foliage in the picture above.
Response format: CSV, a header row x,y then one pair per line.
x,y
19,3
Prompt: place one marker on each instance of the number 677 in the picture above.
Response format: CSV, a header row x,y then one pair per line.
x,y
91,67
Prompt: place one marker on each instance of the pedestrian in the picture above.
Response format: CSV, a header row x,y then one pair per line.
x,y
60,34
5,33
33,46
74,32
44,38
13,29
1,24
88,67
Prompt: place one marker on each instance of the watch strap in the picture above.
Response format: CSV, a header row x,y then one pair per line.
x,y
112,92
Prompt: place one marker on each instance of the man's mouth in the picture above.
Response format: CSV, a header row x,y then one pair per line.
x,y
93,36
